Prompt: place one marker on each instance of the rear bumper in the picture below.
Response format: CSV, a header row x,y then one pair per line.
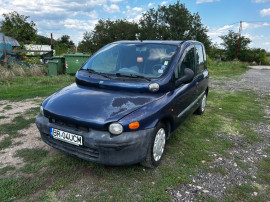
x,y
100,146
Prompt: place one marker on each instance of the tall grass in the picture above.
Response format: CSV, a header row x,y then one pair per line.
x,y
8,73
226,69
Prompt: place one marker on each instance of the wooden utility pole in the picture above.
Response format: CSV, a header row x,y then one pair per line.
x,y
239,42
51,42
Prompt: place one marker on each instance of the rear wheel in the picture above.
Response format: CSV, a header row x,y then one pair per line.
x,y
156,147
202,106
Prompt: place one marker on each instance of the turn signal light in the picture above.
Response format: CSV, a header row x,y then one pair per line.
x,y
134,125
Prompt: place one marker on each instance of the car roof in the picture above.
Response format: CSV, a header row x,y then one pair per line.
x,y
152,41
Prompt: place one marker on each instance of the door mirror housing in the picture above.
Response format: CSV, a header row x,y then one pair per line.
x,y
187,78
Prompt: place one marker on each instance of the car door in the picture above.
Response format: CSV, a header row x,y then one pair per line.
x,y
185,94
201,71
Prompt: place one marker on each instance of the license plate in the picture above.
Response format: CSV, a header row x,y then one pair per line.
x,y
66,137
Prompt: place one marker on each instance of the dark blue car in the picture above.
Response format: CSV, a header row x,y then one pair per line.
x,y
128,99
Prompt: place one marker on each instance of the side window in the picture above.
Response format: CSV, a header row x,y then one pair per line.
x,y
200,59
187,62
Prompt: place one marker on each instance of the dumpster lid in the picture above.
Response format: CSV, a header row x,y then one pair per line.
x,y
56,57
52,61
77,55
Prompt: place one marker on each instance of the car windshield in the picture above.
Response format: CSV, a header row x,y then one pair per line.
x,y
132,59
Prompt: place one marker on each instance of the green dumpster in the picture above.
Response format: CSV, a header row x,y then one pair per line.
x,y
53,65
74,61
61,64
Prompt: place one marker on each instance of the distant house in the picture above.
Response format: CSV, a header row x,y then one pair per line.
x,y
36,47
9,41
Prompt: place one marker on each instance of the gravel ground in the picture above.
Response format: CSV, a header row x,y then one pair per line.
x,y
241,166
254,79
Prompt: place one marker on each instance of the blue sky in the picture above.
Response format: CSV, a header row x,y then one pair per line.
x,y
76,17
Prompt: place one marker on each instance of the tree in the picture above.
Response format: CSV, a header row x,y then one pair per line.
x,y
43,40
107,31
63,45
174,22
257,55
16,26
230,43
85,44
65,39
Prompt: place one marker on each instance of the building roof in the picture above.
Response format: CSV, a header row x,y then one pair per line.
x,y
9,40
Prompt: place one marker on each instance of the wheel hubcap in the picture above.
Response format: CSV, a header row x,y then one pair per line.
x,y
159,144
203,103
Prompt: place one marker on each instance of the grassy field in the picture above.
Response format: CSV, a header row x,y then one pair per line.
x,y
53,176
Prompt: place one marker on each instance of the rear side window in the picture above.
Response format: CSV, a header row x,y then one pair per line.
x,y
200,60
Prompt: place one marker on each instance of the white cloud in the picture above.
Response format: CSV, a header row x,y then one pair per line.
x,y
163,3
113,8
133,13
205,1
265,12
247,25
135,19
150,5
55,9
220,31
115,1
261,1
137,9
79,24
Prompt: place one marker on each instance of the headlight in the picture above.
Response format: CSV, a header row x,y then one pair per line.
x,y
115,128
153,87
41,111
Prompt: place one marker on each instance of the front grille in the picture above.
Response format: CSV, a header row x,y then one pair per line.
x,y
86,152
69,125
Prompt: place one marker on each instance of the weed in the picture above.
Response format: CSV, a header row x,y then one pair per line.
x,y
6,142
17,124
241,192
31,155
8,107
6,169
264,170
226,69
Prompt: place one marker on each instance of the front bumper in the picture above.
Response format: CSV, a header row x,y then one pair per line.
x,y
100,146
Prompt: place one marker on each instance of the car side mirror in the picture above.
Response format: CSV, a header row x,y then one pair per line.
x,y
187,78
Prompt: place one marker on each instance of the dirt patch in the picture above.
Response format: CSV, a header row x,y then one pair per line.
x,y
16,108
30,139
3,137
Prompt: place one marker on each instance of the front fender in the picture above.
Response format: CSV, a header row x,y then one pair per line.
x,y
149,115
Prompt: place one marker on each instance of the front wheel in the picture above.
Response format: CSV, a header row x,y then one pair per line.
x,y
202,106
156,147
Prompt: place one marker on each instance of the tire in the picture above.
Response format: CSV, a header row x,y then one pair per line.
x,y
156,147
202,106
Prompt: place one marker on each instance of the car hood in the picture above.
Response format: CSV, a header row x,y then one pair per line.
x,y
93,107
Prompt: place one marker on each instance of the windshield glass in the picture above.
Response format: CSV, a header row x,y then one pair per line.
x,y
148,60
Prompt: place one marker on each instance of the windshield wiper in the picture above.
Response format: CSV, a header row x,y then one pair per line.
x,y
132,76
98,73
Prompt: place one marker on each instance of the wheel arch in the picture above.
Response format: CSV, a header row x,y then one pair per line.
x,y
168,121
